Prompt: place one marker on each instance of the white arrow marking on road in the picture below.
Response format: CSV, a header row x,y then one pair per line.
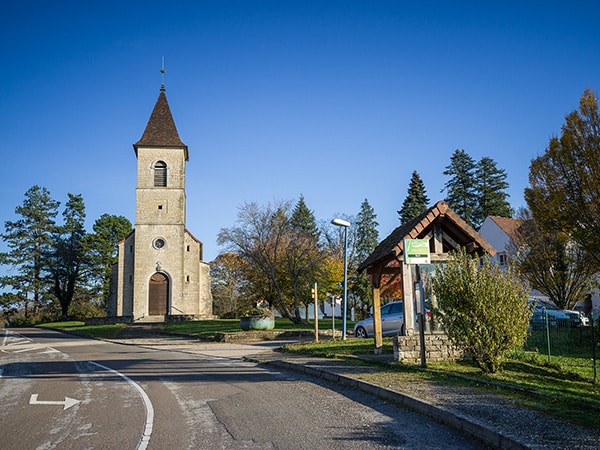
x,y
67,403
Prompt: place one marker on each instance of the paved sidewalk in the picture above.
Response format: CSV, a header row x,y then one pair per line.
x,y
494,419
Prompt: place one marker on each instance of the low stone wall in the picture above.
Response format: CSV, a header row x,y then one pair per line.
x,y
269,335
438,347
155,319
111,320
185,317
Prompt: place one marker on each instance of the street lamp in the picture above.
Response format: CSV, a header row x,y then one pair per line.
x,y
345,225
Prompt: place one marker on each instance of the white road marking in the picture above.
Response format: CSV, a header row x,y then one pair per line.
x,y
51,350
145,440
12,339
67,402
29,345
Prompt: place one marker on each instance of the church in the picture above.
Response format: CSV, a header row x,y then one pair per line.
x,y
160,274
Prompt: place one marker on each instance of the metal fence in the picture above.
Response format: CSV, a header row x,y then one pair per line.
x,y
564,343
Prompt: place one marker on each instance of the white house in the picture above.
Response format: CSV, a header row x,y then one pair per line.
x,y
501,233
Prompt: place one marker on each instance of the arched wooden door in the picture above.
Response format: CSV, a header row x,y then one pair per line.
x,y
158,295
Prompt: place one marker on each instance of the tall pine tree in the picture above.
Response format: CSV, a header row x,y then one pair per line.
x,y
367,238
416,200
304,219
491,192
461,188
29,239
102,248
68,257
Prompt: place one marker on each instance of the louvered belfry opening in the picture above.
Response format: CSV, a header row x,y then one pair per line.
x,y
158,295
160,174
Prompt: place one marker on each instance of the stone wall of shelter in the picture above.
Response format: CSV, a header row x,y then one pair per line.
x,y
438,347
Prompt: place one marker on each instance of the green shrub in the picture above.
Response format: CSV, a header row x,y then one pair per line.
x,y
483,308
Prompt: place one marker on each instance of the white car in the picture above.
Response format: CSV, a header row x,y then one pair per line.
x,y
556,317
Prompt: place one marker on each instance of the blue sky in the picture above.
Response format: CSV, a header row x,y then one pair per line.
x,y
335,100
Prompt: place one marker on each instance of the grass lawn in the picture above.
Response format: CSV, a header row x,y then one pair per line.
x,y
98,331
208,329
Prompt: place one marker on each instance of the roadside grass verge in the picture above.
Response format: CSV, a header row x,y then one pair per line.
x,y
560,389
208,329
80,328
205,329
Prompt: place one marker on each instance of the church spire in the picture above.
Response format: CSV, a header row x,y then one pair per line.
x,y
161,130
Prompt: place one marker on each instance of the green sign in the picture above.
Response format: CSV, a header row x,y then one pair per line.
x,y
416,251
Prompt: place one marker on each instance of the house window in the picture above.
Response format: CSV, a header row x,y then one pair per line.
x,y
502,258
160,174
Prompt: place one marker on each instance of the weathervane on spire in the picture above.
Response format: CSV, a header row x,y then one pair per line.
x,y
162,71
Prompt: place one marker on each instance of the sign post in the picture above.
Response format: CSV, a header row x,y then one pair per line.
x,y
316,309
416,251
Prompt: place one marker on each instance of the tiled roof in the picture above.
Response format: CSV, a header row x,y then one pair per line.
x,y
161,130
392,247
508,225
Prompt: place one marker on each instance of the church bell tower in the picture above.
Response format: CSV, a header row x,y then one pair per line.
x,y
160,272
159,212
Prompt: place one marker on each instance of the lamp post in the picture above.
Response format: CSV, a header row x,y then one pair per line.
x,y
345,225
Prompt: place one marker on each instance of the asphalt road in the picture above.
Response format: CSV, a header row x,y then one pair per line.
x,y
66,392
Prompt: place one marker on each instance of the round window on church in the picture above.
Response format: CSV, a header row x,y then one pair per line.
x,y
158,243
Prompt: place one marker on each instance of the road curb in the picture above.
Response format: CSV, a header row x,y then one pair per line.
x,y
455,420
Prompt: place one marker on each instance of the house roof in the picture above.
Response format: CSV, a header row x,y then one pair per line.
x,y
456,232
508,225
161,130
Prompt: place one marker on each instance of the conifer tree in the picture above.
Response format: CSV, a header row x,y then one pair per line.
x,y
68,256
303,257
461,188
102,248
367,238
491,189
29,239
304,219
416,200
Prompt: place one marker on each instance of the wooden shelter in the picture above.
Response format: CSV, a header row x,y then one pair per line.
x,y
445,231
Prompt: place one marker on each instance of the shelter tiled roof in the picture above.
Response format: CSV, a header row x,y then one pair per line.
x,y
457,230
161,130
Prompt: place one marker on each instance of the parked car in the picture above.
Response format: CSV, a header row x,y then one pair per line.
x,y
556,317
392,321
